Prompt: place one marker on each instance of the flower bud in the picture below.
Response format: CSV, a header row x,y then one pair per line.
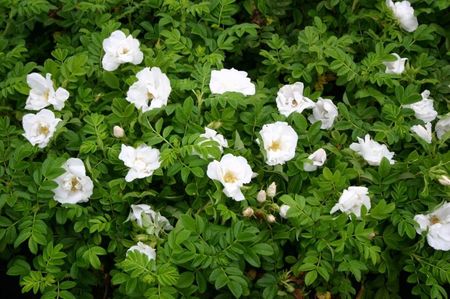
x,y
261,197
118,132
270,218
272,190
283,211
444,180
248,212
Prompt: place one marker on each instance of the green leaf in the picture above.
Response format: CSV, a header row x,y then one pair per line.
x,y
310,277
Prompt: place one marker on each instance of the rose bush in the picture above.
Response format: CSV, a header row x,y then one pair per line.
x,y
222,148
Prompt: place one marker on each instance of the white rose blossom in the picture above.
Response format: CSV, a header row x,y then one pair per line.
x,y
325,111
120,49
351,201
231,80
74,186
40,127
144,249
395,67
437,225
404,13
442,126
142,161
424,109
283,211
316,159
372,151
145,216
212,135
280,141
233,172
290,99
43,94
424,132
151,91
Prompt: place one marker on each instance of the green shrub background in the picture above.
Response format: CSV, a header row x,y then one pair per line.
x,y
336,48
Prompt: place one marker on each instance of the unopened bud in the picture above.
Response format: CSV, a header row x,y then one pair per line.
x,y
270,218
214,125
371,235
261,197
248,212
272,190
444,180
118,132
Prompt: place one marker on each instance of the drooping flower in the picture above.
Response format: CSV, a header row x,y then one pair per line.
x,y
145,217
144,249
233,172
120,49
317,159
290,99
43,94
395,67
142,161
351,201
424,109
40,127
211,134
423,132
280,141
231,80
442,126
325,111
74,186
437,225
372,151
283,211
404,13
151,91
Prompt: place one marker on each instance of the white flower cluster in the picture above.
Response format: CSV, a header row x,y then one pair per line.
x,y
437,226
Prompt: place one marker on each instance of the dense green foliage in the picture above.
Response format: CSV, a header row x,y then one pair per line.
x,y
336,48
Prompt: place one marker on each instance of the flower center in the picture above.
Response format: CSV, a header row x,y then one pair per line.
x,y
124,51
275,146
294,103
43,129
229,177
435,219
150,96
46,94
75,184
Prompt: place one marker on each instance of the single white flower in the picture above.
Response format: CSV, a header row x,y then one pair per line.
x,y
280,141
231,80
118,132
233,172
372,151
424,109
142,161
120,49
290,99
404,13
272,190
43,94
444,180
261,196
151,90
325,111
211,134
74,186
316,159
146,217
423,132
40,127
442,126
144,249
438,225
283,211
351,201
395,67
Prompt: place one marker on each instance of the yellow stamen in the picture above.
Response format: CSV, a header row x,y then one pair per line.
x,y
275,146
43,129
74,184
229,177
435,219
294,103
